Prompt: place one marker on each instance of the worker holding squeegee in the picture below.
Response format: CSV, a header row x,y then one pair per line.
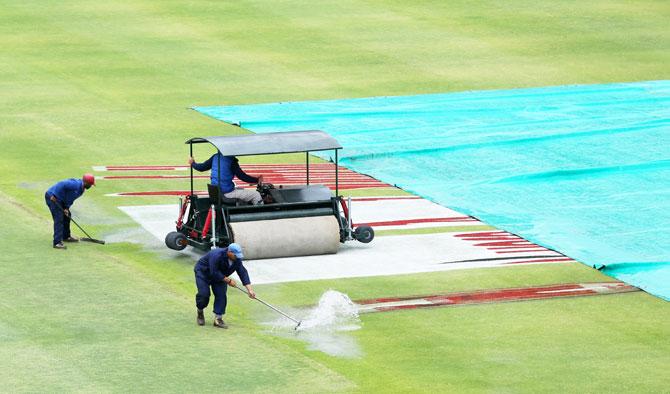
x,y
59,199
214,270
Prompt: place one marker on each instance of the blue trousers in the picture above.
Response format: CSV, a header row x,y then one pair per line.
x,y
202,297
61,221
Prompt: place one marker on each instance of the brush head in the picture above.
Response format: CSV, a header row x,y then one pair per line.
x,y
97,241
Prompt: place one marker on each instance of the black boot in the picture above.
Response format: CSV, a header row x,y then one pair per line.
x,y
219,323
201,318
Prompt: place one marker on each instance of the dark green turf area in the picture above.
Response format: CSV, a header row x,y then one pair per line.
x,y
86,83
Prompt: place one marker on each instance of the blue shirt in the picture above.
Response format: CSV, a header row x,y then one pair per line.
x,y
215,265
67,191
229,167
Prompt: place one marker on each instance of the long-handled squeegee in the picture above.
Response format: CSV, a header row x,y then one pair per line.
x,y
298,322
88,237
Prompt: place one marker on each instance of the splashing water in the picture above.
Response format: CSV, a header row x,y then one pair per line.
x,y
335,312
325,326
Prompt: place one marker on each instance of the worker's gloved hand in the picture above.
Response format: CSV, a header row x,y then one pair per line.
x,y
190,161
66,212
230,282
53,198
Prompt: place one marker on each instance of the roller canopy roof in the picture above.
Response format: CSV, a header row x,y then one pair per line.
x,y
270,143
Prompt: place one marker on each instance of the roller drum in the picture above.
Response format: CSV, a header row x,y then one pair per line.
x,y
287,237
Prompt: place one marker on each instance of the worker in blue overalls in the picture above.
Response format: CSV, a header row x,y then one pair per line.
x,y
229,168
59,199
214,270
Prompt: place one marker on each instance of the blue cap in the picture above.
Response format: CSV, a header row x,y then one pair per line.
x,y
237,250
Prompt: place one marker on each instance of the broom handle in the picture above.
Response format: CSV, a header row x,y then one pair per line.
x,y
268,305
72,220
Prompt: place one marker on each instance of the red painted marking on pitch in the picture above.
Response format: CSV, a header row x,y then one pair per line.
x,y
200,192
516,247
162,193
494,296
341,186
113,177
283,181
144,168
317,166
186,192
270,179
295,167
288,174
501,242
539,249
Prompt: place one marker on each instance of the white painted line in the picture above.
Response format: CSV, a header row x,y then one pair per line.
x,y
597,287
390,304
604,287
562,291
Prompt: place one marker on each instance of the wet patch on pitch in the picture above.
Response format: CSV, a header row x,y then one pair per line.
x,y
325,327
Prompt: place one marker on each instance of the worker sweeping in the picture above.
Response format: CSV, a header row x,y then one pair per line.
x,y
224,169
213,271
59,198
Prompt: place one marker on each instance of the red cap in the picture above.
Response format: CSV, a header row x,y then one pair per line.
x,y
89,179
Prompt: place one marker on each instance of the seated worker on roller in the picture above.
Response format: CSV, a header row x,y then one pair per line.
x,y
214,270
59,198
230,167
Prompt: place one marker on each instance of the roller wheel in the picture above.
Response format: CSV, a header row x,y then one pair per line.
x,y
176,240
364,234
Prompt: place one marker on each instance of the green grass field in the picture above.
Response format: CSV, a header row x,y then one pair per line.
x,y
86,83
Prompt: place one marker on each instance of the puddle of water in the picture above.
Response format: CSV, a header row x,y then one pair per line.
x,y
87,211
33,185
135,235
139,236
325,327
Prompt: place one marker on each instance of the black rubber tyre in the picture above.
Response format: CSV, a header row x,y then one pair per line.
x,y
176,240
364,234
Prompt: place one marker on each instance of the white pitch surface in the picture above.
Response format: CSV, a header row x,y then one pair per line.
x,y
405,209
390,255
387,255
